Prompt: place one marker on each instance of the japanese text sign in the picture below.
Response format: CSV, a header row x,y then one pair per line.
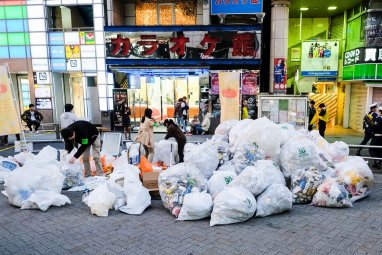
x,y
184,45
236,6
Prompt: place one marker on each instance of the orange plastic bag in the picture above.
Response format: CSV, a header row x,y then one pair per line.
x,y
145,165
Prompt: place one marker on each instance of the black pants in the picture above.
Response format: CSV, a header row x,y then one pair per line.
x,y
34,123
367,137
181,151
322,128
376,141
310,127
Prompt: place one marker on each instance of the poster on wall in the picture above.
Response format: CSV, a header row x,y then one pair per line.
x,y
119,96
44,103
251,105
373,29
295,55
229,91
248,83
72,51
87,38
42,91
216,107
279,76
214,84
10,118
319,58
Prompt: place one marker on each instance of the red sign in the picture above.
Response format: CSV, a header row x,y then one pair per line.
x,y
248,84
279,76
185,45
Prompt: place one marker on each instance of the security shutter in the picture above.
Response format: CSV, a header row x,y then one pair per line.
x,y
357,106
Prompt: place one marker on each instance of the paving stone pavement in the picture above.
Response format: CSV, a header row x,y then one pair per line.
x,y
304,230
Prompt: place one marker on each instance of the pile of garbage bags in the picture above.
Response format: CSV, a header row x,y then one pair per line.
x,y
260,161
249,168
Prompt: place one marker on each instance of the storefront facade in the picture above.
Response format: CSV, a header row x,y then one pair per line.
x,y
174,50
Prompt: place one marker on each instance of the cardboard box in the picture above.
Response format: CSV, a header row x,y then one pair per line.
x,y
150,180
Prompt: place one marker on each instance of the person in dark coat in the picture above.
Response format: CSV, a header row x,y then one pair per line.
x,y
32,117
125,113
368,126
174,131
312,113
377,140
86,135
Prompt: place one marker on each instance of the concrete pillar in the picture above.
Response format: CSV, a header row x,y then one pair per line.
x,y
279,34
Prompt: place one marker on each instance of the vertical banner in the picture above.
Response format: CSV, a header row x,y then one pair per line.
x,y
10,122
279,76
119,96
214,84
229,91
248,92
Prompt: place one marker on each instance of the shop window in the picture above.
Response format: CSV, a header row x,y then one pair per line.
x,y
70,17
151,13
25,93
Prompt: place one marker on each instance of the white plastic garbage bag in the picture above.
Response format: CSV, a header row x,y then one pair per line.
x,y
304,184
100,200
331,194
47,153
225,127
219,180
258,177
205,157
339,151
233,205
137,197
221,147
176,182
288,131
227,166
23,156
236,133
166,151
196,205
299,153
6,167
246,155
277,198
117,190
356,176
93,182
263,133
43,199
23,181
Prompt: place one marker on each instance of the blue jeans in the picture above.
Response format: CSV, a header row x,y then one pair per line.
x,y
181,123
197,129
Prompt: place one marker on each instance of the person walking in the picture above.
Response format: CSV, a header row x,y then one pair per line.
x,y
368,125
174,131
86,135
32,117
146,133
323,118
68,117
376,140
312,113
126,123
179,113
244,110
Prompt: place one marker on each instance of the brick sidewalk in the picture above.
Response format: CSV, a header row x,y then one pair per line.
x,y
304,230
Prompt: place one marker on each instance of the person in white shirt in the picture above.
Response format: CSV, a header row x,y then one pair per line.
x,y
68,117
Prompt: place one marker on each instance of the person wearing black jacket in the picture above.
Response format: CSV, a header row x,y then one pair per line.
x,y
377,140
174,131
312,113
86,134
32,117
368,126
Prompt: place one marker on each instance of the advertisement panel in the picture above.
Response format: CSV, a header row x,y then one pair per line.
x,y
236,7
119,96
44,103
319,58
229,92
279,75
373,29
214,84
72,51
248,83
10,118
73,64
369,55
186,44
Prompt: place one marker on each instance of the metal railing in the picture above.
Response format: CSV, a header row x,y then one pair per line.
x,y
366,147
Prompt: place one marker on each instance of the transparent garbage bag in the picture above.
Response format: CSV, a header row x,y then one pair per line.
x,y
204,156
277,198
258,177
331,194
233,205
304,184
43,199
196,205
219,180
246,155
166,151
100,200
225,127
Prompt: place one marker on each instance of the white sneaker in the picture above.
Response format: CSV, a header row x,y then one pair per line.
x,y
37,132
